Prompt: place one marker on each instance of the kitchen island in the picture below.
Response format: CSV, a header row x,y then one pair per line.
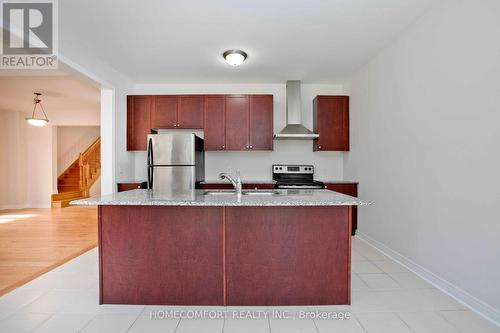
x,y
280,247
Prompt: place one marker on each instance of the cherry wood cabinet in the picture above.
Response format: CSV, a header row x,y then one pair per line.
x,y
230,122
226,256
164,112
172,111
138,121
122,187
237,122
215,122
190,114
161,255
348,189
249,122
261,122
287,255
331,122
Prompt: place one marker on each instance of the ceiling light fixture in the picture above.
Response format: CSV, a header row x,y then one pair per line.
x,y
234,57
37,121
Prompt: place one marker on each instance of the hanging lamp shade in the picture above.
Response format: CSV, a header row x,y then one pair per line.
x,y
34,120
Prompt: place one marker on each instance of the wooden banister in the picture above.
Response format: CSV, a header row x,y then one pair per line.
x,y
86,179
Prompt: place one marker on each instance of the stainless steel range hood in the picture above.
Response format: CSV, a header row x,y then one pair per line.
x,y
294,130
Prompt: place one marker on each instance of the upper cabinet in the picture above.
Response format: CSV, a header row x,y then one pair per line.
x,y
190,113
261,122
249,122
172,111
230,122
215,122
331,122
164,112
237,122
138,121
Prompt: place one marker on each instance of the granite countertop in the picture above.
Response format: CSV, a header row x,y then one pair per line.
x,y
199,198
243,181
339,181
130,181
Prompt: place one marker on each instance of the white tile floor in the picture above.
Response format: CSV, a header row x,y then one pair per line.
x,y
386,298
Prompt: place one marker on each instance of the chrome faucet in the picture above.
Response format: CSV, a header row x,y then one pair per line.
x,y
236,183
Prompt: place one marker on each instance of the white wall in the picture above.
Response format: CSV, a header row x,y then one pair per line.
x,y
12,160
116,162
26,161
425,117
28,165
257,165
71,141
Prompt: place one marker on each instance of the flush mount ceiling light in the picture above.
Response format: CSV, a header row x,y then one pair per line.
x,y
234,57
33,120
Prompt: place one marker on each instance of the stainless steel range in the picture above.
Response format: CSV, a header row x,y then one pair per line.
x,y
295,177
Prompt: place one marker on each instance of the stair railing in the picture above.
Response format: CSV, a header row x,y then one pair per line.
x,y
88,156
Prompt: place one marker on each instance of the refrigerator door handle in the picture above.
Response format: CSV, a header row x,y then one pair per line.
x,y
150,163
150,152
150,177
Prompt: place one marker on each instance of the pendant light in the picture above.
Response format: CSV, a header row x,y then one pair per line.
x,y
33,120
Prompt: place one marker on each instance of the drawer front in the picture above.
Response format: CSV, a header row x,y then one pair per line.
x,y
128,186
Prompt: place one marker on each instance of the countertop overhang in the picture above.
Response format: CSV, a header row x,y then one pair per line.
x,y
142,197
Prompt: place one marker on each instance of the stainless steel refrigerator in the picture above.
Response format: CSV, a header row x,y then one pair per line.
x,y
176,161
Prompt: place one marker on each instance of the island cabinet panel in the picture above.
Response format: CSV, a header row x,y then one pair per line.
x,y
164,112
138,121
215,123
161,255
349,189
287,255
261,122
331,122
190,113
237,122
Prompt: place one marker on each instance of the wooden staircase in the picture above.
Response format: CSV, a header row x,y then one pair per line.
x,y
75,182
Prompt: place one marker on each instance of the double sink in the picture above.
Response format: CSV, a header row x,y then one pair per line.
x,y
244,192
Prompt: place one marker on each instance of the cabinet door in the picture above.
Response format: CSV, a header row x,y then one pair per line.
x,y
331,122
190,112
261,122
237,122
164,113
215,123
138,121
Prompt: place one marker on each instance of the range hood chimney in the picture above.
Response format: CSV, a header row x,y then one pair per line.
x,y
294,130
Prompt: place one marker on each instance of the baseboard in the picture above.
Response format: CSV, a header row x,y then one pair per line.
x,y
24,206
8,207
481,308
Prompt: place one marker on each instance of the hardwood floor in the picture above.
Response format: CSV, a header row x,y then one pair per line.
x,y
34,241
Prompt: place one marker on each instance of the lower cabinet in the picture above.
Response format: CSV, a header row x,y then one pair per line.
x,y
122,187
161,255
348,189
186,255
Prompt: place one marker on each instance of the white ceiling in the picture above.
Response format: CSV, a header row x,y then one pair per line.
x,y
64,97
165,41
